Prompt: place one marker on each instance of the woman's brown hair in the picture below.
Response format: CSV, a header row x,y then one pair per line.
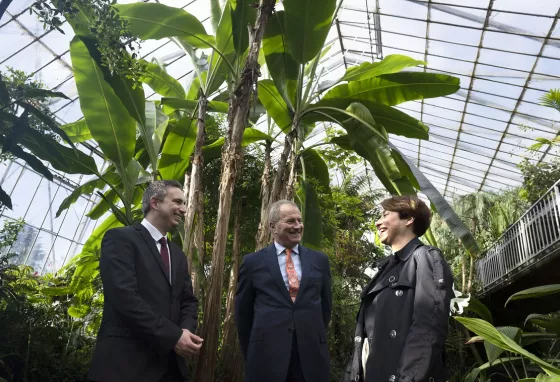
x,y
410,207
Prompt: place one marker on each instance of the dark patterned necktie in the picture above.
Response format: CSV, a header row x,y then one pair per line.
x,y
164,252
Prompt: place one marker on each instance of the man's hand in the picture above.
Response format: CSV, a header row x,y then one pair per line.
x,y
189,344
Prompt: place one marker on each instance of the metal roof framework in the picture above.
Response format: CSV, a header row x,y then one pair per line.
x,y
505,52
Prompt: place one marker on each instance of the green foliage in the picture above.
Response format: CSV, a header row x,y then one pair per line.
x,y
538,178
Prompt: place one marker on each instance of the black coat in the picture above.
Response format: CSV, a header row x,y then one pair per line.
x,y
409,321
266,316
143,313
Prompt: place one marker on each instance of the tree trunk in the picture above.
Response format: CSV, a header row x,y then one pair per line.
x,y
281,178
231,352
231,156
263,233
471,275
193,216
289,191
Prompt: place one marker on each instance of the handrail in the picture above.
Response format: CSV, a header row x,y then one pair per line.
x,y
532,235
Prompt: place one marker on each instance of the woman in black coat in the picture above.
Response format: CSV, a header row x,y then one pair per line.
x,y
402,322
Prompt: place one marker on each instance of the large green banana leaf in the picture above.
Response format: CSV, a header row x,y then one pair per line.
x,y
177,149
311,214
242,15
275,105
108,120
393,63
306,24
161,82
316,168
77,131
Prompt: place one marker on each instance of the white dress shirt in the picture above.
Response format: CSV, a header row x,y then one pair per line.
x,y
156,235
282,262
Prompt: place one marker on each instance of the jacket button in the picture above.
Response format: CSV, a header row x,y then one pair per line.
x,y
392,378
392,334
399,293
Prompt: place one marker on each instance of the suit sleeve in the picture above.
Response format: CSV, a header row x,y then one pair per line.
x,y
244,305
426,339
118,274
326,293
189,304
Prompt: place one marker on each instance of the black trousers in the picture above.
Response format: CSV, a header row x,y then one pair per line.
x,y
295,374
173,374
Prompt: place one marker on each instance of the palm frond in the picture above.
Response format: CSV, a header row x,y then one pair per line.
x,y
551,99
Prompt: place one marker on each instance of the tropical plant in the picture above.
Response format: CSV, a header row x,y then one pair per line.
x,y
507,347
538,177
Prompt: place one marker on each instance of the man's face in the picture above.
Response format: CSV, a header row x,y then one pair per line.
x,y
288,230
390,226
171,210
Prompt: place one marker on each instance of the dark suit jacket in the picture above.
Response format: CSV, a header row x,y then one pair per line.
x,y
266,316
143,313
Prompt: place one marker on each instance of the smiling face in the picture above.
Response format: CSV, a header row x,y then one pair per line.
x,y
288,230
392,228
168,212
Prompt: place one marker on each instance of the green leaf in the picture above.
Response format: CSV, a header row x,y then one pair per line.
x,y
393,63
315,167
311,214
4,95
99,210
79,311
161,82
242,15
455,224
493,351
62,158
108,120
31,160
156,125
177,149
535,292
157,21
477,307
47,120
394,121
250,135
547,378
117,213
490,334
77,131
190,105
131,96
550,323
394,89
275,105
42,93
86,189
307,23
215,13
531,338
5,199
282,67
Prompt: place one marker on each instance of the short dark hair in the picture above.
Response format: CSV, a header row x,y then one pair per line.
x,y
410,206
157,189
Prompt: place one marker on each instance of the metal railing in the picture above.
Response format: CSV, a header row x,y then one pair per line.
x,y
532,238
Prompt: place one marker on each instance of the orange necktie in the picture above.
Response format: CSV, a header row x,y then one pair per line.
x,y
292,275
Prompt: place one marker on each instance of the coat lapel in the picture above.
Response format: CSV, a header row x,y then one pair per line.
x,y
368,287
153,248
306,258
271,260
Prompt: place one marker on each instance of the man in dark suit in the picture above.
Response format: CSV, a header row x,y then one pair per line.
x,y
283,305
150,312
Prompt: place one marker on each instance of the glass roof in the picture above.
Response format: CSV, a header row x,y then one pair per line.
x,y
505,52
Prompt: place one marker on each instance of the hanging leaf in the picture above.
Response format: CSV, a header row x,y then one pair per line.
x,y
282,67
242,15
31,160
161,82
307,24
455,224
5,198
48,121
77,131
215,13
177,149
550,323
316,168
100,208
392,63
86,189
394,89
275,105
535,292
108,120
477,307
311,214
41,93
157,21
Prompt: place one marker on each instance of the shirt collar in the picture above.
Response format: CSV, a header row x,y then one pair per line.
x,y
280,248
404,253
154,232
